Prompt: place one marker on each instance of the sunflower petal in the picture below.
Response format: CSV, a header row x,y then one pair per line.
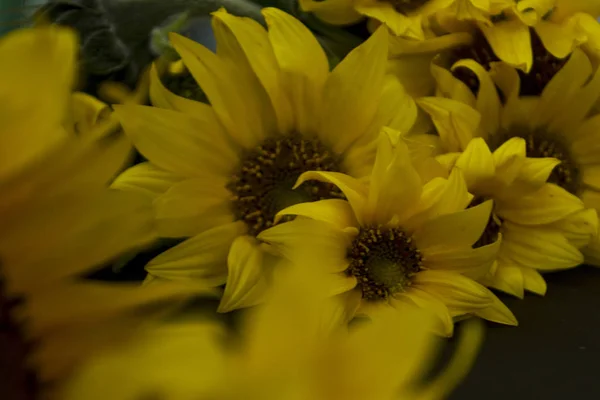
x,y
177,142
333,211
542,249
549,204
202,258
511,42
193,206
303,64
246,282
509,279
354,190
457,229
473,263
456,123
450,87
533,281
354,88
237,106
147,179
497,312
162,97
423,299
335,12
476,164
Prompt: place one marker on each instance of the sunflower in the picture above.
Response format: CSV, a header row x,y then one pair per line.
x,y
404,239
294,346
544,228
58,219
219,173
406,18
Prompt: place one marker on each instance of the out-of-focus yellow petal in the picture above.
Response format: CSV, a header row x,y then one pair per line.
x,y
335,12
511,42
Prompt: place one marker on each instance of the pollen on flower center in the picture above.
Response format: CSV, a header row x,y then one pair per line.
x,y
541,143
263,185
406,6
492,229
545,65
383,260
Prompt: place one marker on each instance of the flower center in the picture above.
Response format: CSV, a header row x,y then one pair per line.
x,y
492,229
406,6
383,260
545,65
184,85
541,143
263,185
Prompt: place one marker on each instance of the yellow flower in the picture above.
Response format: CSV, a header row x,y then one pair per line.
x,y
220,173
543,224
407,18
402,240
293,347
57,218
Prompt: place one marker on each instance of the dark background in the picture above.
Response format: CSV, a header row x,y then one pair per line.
x,y
552,354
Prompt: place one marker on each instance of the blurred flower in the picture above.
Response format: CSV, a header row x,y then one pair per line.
x,y
295,346
543,225
398,242
57,218
406,18
221,172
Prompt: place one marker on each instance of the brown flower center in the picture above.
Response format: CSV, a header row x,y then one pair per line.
x,y
383,260
545,65
406,6
263,185
541,143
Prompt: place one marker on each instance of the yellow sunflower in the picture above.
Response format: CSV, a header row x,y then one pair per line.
x,y
403,240
220,172
295,346
57,218
406,18
530,32
542,228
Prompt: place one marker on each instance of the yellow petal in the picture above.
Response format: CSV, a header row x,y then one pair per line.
x,y
549,204
536,171
33,106
238,107
473,263
254,41
333,211
457,292
303,64
246,281
162,97
488,102
354,190
533,281
569,79
497,312
456,123
508,81
423,299
510,159
511,42
558,39
145,178
192,206
542,249
452,88
458,229
74,233
580,227
202,258
86,111
451,196
509,279
398,23
388,197
335,12
310,244
585,145
352,93
476,164
91,301
177,142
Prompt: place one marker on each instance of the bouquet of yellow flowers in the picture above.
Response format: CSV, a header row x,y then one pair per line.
x,y
290,200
